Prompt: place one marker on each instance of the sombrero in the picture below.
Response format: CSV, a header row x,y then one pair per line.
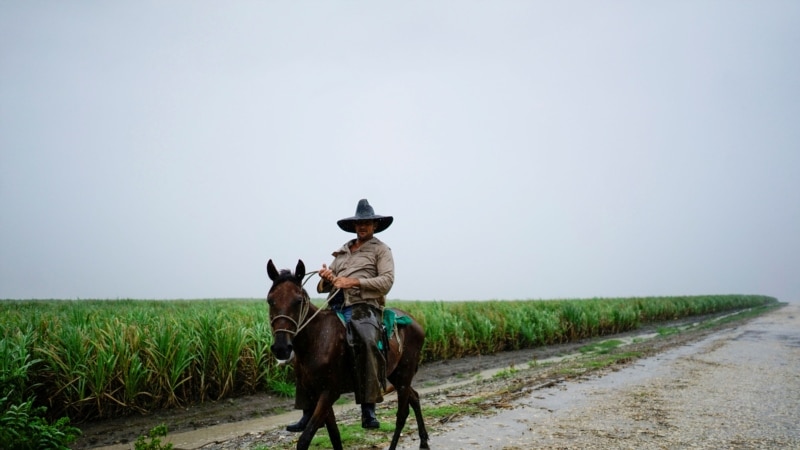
x,y
365,212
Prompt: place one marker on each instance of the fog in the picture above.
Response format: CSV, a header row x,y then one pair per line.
x,y
526,150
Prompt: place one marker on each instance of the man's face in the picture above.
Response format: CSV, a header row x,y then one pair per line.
x,y
365,229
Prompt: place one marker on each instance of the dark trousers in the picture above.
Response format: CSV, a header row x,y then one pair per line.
x,y
364,331
363,335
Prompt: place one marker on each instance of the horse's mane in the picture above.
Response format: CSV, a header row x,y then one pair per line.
x,y
286,275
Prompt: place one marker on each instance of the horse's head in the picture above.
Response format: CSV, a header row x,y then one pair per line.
x,y
288,306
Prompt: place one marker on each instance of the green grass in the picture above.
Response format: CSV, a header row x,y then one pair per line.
x,y
607,360
506,373
667,331
601,347
746,314
352,435
282,387
448,411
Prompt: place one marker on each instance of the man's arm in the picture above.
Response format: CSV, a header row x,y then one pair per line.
x,y
380,285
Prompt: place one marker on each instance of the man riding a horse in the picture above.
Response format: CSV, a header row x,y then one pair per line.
x,y
358,279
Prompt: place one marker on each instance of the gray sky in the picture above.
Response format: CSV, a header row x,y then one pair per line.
x,y
526,149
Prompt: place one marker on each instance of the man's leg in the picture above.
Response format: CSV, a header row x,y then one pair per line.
x,y
302,401
300,425
369,361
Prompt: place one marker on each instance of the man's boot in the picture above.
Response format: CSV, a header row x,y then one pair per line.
x,y
368,419
300,425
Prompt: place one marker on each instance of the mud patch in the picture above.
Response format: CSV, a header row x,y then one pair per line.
x,y
790,340
751,335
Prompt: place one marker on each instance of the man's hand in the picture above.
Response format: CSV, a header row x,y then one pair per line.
x,y
346,283
326,274
338,282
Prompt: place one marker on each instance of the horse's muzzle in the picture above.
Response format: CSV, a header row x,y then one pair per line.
x,y
282,348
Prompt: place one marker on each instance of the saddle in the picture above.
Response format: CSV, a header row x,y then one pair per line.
x,y
391,320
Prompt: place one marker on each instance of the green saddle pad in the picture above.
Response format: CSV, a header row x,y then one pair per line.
x,y
390,318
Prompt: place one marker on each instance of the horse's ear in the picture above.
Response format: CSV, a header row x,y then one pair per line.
x,y
272,271
300,270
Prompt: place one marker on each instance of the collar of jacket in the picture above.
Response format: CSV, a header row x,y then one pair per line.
x,y
344,249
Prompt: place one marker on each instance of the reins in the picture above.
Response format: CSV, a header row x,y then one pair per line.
x,y
302,322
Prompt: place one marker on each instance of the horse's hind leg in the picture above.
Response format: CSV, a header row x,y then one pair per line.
x,y
333,430
402,413
413,398
408,396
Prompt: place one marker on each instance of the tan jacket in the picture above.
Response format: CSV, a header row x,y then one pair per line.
x,y
372,264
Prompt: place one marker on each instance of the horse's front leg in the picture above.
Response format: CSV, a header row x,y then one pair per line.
x,y
323,414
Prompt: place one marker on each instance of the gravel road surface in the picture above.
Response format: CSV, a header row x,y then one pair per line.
x,y
735,389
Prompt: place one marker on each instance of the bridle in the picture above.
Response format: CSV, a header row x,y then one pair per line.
x,y
305,307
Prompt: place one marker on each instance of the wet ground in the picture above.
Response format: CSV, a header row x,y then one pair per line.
x,y
618,407
735,389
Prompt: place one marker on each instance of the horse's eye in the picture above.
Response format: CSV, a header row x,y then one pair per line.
x,y
270,302
298,300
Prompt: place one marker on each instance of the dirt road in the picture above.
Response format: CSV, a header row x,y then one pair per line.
x,y
735,389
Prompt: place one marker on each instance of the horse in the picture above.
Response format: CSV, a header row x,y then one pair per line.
x,y
316,338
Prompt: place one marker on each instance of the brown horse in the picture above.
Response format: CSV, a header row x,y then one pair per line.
x,y
322,365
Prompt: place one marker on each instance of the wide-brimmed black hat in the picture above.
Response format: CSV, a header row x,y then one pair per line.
x,y
365,212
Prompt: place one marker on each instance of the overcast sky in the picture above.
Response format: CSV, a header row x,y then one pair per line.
x,y
526,149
